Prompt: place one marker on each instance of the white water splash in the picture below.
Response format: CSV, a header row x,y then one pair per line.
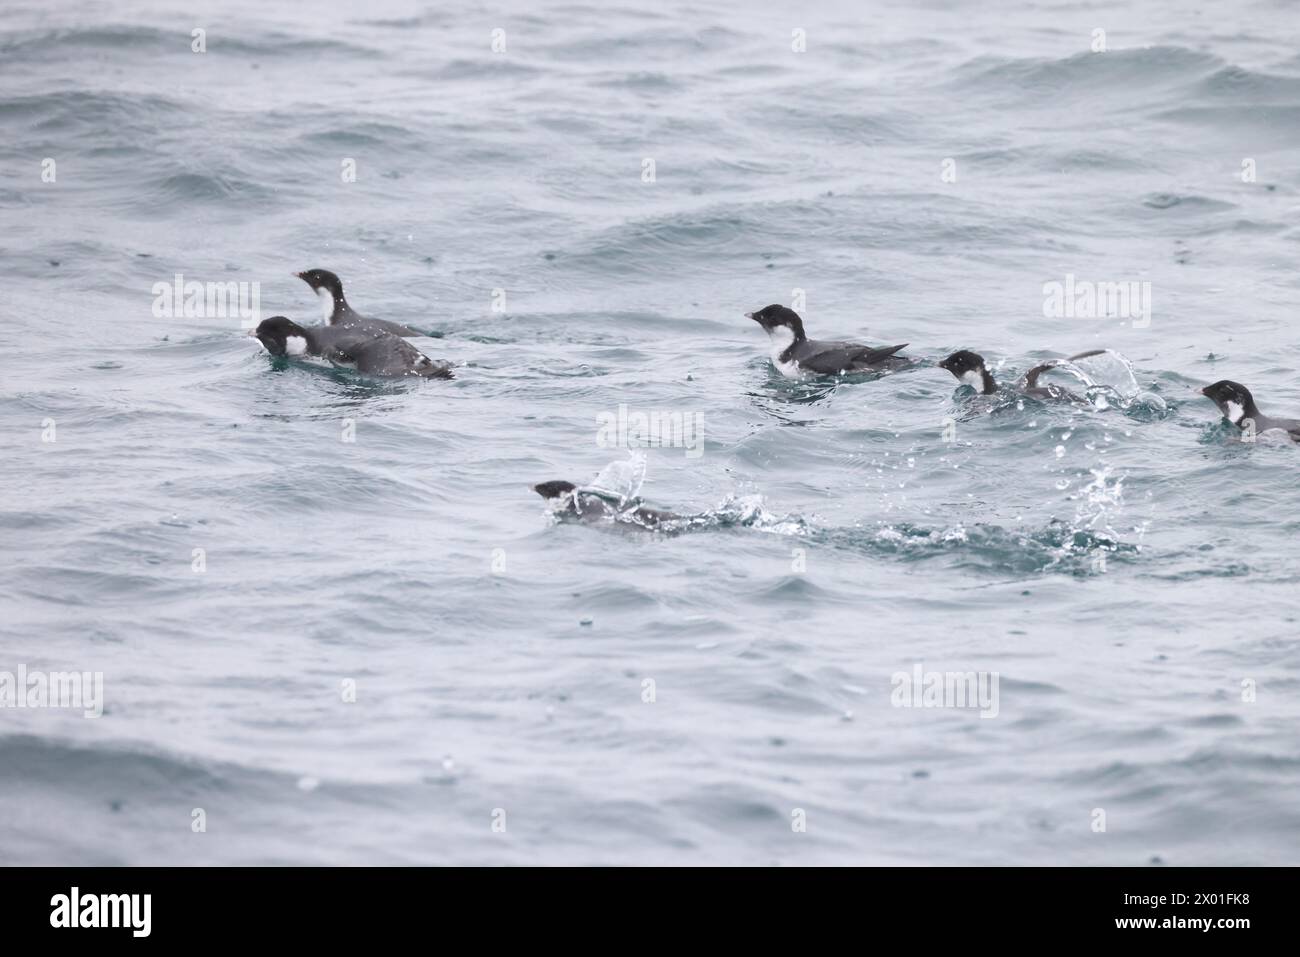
x,y
1108,380
1099,502
620,482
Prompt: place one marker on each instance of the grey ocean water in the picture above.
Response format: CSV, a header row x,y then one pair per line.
x,y
1130,574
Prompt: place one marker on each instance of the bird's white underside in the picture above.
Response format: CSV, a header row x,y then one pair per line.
x,y
782,338
326,302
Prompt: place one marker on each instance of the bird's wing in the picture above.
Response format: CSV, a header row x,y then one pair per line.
x,y
433,368
337,343
1290,426
392,355
1030,380
1029,384
832,357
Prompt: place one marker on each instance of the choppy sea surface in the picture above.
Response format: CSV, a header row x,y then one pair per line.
x,y
243,547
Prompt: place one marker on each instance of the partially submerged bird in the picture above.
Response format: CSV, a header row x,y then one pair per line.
x,y
794,354
329,288
1238,407
586,505
366,350
969,369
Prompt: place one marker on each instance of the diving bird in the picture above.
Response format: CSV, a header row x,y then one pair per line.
x,y
570,501
968,368
336,310
794,354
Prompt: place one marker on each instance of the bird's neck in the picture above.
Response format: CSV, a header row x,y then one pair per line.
x,y
980,380
1237,413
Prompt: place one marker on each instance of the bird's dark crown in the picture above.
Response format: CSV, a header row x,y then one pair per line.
x,y
274,333
554,489
323,279
1225,391
769,317
962,361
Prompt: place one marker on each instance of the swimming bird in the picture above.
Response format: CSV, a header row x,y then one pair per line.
x,y
1238,407
569,500
367,350
969,369
329,288
794,354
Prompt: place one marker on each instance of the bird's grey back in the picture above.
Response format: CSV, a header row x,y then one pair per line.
x,y
818,355
392,355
